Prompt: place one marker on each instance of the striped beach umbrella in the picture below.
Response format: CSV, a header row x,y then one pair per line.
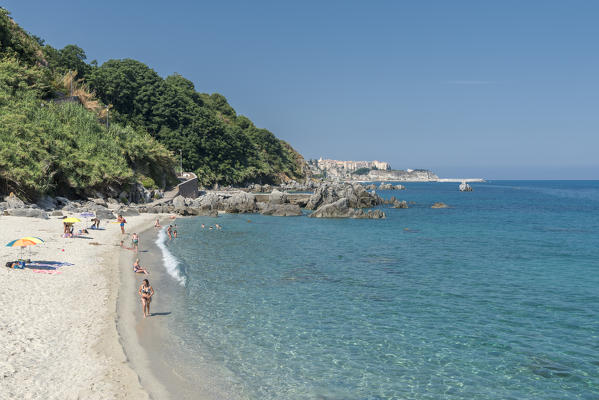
x,y
24,242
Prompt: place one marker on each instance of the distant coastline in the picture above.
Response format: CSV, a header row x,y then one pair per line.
x,y
374,171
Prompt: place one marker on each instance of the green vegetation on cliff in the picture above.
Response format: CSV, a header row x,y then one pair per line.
x,y
62,148
216,143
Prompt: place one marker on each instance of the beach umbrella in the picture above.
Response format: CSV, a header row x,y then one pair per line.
x,y
71,220
23,242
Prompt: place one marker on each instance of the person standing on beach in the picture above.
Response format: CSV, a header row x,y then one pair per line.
x,y
146,292
135,241
122,222
169,232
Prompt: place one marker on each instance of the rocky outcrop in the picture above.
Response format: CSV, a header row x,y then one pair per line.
x,y
280,210
277,197
14,202
356,195
179,202
240,202
388,186
341,209
400,204
372,186
27,212
439,205
105,214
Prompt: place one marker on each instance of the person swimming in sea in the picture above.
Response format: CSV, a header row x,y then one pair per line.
x,y
203,226
169,232
146,292
138,269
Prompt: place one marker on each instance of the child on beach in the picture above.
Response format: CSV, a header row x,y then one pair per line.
x,y
135,241
157,224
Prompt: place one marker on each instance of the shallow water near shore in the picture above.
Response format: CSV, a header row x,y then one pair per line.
x,y
494,297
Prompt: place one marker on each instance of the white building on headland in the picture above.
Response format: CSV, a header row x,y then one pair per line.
x,y
351,166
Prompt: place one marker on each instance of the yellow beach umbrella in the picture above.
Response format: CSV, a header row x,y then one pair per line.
x,y
71,220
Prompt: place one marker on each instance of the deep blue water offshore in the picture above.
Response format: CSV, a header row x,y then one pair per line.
x,y
496,297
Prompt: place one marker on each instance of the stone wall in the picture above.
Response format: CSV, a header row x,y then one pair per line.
x,y
189,188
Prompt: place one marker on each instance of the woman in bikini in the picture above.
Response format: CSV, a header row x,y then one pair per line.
x,y
146,292
138,268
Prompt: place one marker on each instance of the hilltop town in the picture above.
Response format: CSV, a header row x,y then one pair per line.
x,y
367,171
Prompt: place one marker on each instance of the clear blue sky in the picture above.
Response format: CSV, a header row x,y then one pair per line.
x,y
498,89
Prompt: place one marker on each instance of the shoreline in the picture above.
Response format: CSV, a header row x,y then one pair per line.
x,y
58,336
167,369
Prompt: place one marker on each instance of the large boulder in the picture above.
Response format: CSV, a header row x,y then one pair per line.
x,y
386,186
356,195
27,212
105,214
129,212
179,202
399,187
240,202
439,205
400,204
46,203
341,209
372,186
277,197
14,202
208,201
281,210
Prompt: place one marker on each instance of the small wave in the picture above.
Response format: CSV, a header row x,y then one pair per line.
x,y
170,262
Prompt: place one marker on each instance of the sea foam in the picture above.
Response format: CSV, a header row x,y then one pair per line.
x,y
170,262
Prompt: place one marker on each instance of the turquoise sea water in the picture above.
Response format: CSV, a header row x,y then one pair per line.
x,y
496,297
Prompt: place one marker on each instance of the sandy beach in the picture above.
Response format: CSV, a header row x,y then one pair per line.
x,y
58,336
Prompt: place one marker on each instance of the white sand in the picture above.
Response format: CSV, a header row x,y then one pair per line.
x,y
58,337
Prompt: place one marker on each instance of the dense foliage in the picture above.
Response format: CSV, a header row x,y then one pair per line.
x,y
218,145
64,148
52,148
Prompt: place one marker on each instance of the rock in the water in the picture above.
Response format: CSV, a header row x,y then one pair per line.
x,y
356,195
27,212
400,204
399,187
439,205
372,186
386,186
240,202
277,197
281,210
341,209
